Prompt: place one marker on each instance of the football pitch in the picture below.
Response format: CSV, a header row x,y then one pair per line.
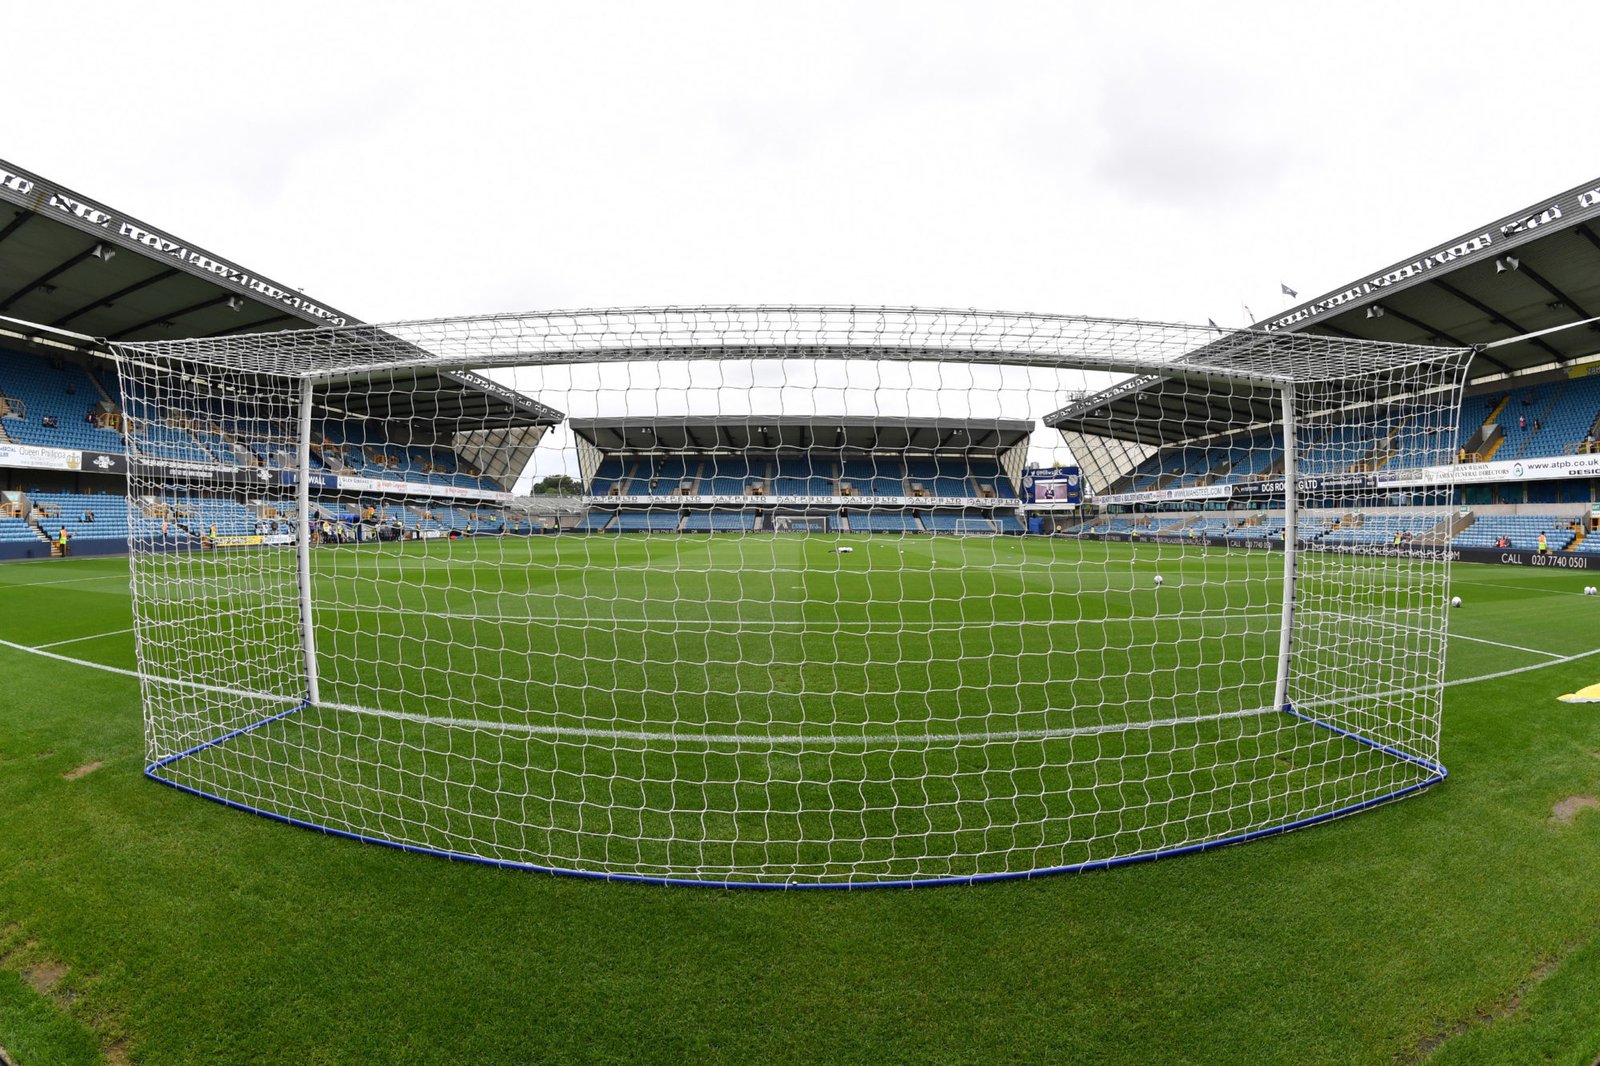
x,y
763,707
139,922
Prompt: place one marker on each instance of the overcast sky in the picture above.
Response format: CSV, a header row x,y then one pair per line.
x,y
1166,161
1171,161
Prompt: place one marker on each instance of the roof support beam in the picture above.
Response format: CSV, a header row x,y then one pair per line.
x,y
1495,316
170,315
48,276
15,224
250,327
1588,234
1439,334
114,297
1545,284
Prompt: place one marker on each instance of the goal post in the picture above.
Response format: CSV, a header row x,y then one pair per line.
x,y
780,620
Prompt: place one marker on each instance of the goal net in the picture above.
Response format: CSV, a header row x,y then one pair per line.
x,y
777,596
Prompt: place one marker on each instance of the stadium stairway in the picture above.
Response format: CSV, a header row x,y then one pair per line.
x,y
1385,449
1446,531
1530,443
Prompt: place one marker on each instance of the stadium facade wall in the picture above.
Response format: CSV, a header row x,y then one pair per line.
x,y
41,550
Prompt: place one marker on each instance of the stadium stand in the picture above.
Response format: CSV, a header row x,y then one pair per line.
x,y
51,405
14,529
719,520
109,513
1377,529
882,522
875,477
775,468
630,521
1521,530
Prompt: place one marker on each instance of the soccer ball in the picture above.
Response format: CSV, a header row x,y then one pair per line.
x,y
1590,590
1159,579
846,550
1455,601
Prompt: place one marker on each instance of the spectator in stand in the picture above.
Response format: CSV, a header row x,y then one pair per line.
x,y
48,421
1461,456
88,516
1522,421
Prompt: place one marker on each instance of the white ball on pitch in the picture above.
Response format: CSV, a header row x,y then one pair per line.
x,y
1159,579
1589,590
1455,601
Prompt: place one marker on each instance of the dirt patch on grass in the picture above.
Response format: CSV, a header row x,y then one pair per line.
x,y
43,977
1569,808
48,977
1500,1011
83,771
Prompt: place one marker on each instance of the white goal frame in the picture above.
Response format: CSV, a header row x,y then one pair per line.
x,y
243,714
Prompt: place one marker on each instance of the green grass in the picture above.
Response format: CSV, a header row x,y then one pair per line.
x,y
1460,922
758,708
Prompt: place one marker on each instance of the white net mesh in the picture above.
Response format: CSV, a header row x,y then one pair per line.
x,y
791,616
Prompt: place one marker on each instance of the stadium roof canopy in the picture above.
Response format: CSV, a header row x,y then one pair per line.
x,y
678,433
73,264
1532,271
1520,291
455,397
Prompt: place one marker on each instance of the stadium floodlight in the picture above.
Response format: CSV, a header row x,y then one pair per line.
x,y
346,620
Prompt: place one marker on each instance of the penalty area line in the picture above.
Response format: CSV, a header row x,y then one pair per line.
x,y
77,640
797,739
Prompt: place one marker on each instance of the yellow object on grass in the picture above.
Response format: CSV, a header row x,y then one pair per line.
x,y
1583,695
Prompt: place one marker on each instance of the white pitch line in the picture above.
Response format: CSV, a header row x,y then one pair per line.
x,y
1530,588
91,636
64,581
755,740
1498,644
124,672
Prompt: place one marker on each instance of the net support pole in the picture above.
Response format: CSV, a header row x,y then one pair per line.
x,y
308,631
1291,549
